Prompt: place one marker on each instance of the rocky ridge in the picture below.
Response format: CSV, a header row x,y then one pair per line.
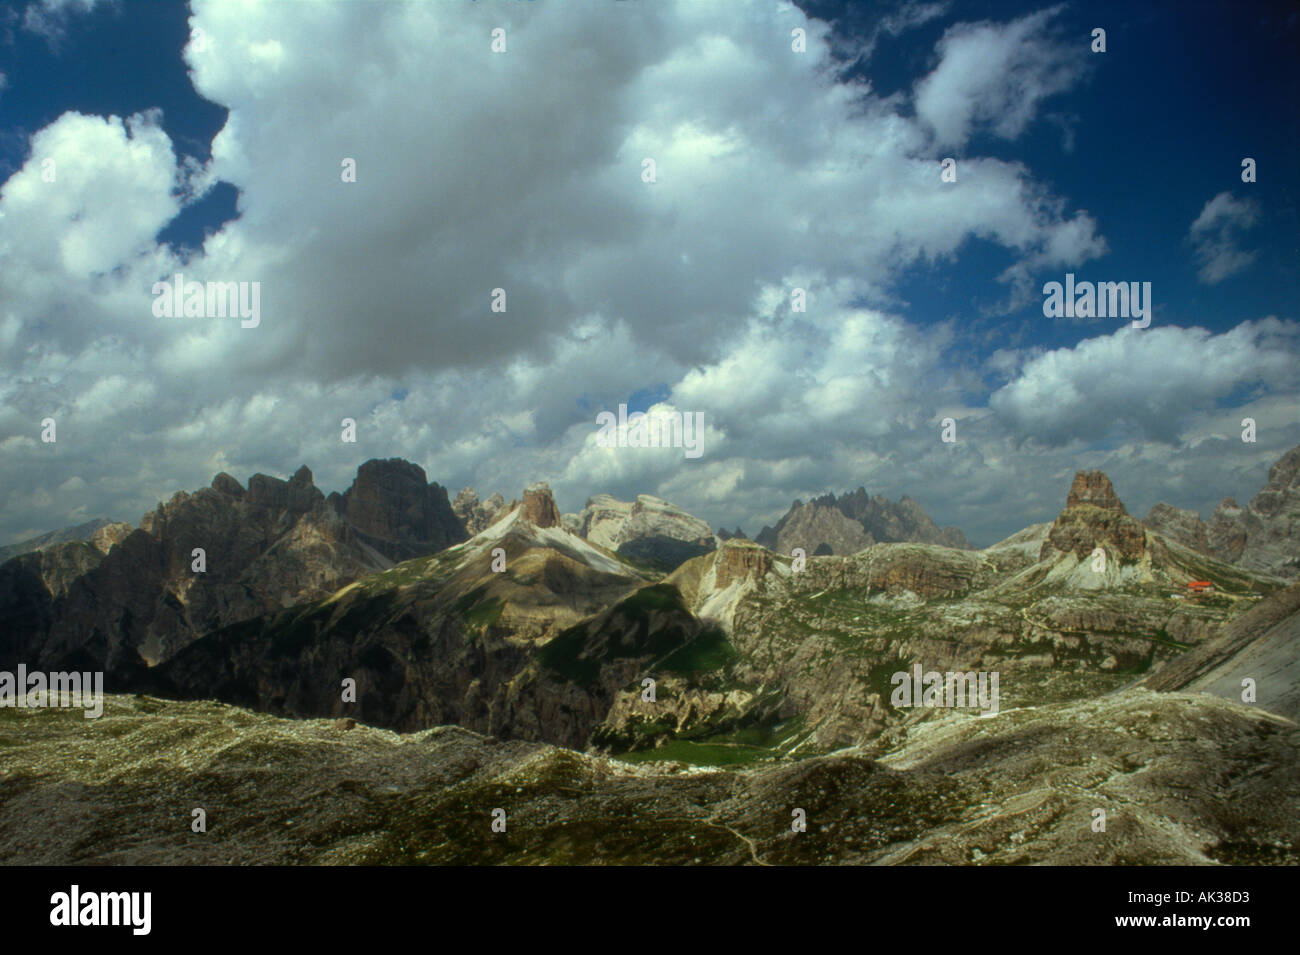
x,y
532,630
1179,524
132,597
475,515
81,532
648,529
837,526
1263,536
447,638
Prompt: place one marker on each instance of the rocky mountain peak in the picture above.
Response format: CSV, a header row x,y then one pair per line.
x,y
135,597
1093,488
1286,470
740,560
476,515
105,538
648,529
297,495
539,506
1179,524
1283,485
853,522
1262,536
223,483
1094,516
399,512
1265,534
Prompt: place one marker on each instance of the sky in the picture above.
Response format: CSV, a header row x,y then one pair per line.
x,y
797,153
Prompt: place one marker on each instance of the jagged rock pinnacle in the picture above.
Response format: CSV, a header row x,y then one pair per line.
x,y
539,506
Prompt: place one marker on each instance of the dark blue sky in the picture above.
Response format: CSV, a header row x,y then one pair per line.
x,y
1184,92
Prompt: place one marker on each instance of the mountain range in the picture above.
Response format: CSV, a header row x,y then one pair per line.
x,y
78,532
630,630
1264,535
543,641
846,525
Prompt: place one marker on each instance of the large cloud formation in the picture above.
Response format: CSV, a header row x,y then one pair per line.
x,y
523,171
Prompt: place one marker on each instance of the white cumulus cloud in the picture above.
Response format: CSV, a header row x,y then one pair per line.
x,y
1216,235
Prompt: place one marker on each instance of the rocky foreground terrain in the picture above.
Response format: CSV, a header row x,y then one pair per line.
x,y
1181,779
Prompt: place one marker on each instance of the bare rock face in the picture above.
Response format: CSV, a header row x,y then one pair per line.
x,y
1094,488
901,522
298,495
104,538
131,597
398,512
1265,534
476,515
1094,516
818,528
539,506
648,528
54,568
846,525
741,560
153,593
1226,532
1179,524
226,485
920,570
